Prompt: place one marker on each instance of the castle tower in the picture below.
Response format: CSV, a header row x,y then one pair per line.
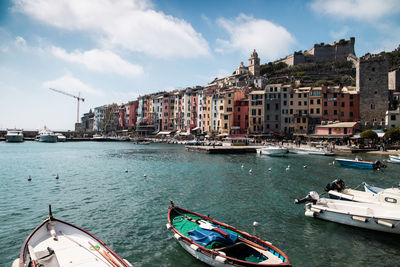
x,y
372,83
254,64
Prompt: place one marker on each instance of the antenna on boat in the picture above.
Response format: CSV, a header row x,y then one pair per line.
x,y
50,214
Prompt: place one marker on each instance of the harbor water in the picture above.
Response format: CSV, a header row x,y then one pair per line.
x,y
120,192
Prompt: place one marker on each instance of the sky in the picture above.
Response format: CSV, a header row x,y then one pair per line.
x,y
112,51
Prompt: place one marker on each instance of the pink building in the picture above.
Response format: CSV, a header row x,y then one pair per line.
x,y
240,116
336,130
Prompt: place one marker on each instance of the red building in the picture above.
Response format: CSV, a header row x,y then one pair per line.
x,y
240,116
133,106
340,104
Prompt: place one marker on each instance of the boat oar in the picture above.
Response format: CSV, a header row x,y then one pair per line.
x,y
208,226
105,255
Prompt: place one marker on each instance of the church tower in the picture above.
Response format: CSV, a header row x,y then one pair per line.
x,y
254,64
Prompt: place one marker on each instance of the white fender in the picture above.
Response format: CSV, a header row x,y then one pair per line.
x,y
194,247
177,237
220,259
168,226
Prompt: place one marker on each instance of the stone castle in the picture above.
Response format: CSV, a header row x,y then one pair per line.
x,y
320,53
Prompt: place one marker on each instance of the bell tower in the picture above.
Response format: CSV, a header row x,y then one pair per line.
x,y
254,64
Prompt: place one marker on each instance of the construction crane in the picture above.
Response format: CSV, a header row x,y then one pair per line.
x,y
78,98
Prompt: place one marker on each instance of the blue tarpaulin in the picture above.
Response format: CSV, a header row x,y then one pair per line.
x,y
204,237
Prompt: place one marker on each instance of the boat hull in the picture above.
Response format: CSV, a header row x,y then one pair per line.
x,y
366,222
14,138
356,164
273,152
48,138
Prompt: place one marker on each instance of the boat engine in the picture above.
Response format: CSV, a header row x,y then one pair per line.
x,y
337,185
379,164
311,197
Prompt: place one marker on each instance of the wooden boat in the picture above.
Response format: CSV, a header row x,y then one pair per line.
x,y
337,190
58,243
359,163
219,244
364,215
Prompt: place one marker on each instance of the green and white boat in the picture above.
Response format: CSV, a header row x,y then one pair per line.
x,y
218,244
46,136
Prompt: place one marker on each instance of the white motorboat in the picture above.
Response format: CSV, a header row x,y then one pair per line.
x,y
389,196
47,136
14,135
277,151
394,158
58,243
61,137
305,151
364,215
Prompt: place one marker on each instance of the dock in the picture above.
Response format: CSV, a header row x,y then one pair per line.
x,y
223,149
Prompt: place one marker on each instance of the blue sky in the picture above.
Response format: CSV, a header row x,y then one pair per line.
x,y
112,51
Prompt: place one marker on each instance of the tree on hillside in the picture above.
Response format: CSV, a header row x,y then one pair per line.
x,y
393,134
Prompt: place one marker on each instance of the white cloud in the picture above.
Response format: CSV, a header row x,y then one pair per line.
x,y
130,24
72,85
21,43
247,33
100,60
365,10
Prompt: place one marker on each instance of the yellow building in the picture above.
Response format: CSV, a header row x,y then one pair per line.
x,y
298,109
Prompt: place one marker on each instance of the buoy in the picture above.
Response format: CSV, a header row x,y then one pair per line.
x,y
333,162
305,166
287,168
126,170
144,175
251,170
57,176
29,178
269,169
242,166
255,223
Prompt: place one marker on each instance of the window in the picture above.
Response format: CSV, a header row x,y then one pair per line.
x,y
276,117
276,106
259,112
325,95
335,103
298,120
312,102
254,120
225,126
325,104
305,103
291,111
238,117
225,117
393,117
291,103
305,95
267,107
372,106
285,103
330,130
342,104
345,130
335,112
239,109
229,110
351,103
229,102
299,103
267,117
267,126
317,111
318,101
351,114
312,111
246,117
325,112
342,114
284,95
304,120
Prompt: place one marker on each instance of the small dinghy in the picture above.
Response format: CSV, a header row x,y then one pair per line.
x,y
394,158
378,195
219,244
58,243
364,215
359,163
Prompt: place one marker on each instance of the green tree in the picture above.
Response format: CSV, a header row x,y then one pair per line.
x,y
369,134
393,134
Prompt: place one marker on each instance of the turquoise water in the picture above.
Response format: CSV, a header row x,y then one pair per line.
x,y
129,211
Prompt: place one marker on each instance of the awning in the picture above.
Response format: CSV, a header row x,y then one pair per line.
x,y
163,133
197,128
184,133
223,134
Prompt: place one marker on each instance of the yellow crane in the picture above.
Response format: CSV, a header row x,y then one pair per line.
x,y
78,98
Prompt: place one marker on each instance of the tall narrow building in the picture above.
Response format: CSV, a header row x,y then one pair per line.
x,y
254,64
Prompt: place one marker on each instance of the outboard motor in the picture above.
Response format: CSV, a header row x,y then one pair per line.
x,y
379,165
337,185
311,197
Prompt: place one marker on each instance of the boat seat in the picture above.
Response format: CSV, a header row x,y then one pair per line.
x,y
47,258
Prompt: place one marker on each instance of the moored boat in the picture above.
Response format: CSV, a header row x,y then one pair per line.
x,y
359,163
14,135
394,159
320,152
364,215
46,136
277,151
58,243
338,190
219,244
61,137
